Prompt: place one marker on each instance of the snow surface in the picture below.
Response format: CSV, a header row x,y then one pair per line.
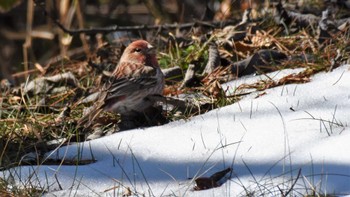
x,y
265,139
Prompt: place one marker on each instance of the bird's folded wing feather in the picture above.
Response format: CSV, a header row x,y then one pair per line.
x,y
114,90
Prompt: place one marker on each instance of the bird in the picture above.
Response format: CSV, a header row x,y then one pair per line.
x,y
137,76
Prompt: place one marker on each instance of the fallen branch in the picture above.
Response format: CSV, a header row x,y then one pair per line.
x,y
106,30
190,79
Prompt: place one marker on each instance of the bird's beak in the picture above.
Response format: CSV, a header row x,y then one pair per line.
x,y
151,49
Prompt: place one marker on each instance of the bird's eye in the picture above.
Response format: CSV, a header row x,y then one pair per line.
x,y
138,50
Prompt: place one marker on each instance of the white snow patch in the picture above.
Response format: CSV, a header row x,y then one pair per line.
x,y
292,127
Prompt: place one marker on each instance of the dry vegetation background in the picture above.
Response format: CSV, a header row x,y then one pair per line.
x,y
27,33
201,44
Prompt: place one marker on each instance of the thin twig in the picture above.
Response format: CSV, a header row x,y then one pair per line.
x,y
291,188
81,25
106,30
28,40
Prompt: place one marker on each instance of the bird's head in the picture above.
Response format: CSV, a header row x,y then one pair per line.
x,y
140,51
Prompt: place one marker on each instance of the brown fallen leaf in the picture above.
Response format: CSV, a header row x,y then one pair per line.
x,y
127,192
214,89
203,183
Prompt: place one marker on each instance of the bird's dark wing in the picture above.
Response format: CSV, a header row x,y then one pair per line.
x,y
113,91
125,86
